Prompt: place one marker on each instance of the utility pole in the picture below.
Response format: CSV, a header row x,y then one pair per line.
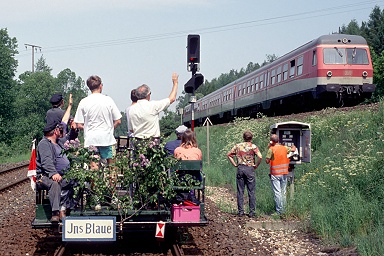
x,y
34,48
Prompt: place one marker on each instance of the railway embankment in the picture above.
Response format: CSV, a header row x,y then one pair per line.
x,y
339,193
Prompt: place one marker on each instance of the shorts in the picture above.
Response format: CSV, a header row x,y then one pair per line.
x,y
106,152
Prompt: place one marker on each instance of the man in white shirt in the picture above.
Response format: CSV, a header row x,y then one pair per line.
x,y
98,115
144,115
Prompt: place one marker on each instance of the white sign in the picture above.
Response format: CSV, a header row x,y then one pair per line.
x,y
95,228
160,229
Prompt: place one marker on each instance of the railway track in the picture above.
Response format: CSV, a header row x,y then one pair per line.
x,y
13,176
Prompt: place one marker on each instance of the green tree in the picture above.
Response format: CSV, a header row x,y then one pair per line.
x,y
269,59
378,74
374,30
32,103
41,66
122,129
352,28
8,65
169,122
67,82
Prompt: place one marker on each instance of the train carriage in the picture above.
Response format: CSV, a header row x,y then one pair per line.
x,y
330,71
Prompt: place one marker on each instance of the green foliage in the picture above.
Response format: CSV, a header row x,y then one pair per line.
x,y
373,29
67,83
341,192
41,66
169,122
8,65
8,50
122,129
352,28
378,75
146,171
32,102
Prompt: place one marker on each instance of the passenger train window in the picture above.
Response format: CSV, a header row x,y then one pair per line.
x,y
252,84
314,58
261,81
292,69
300,65
249,89
285,71
278,76
243,89
273,78
257,83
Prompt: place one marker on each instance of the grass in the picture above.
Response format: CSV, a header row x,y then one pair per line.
x,y
15,158
341,191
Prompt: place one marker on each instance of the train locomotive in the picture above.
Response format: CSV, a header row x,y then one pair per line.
x,y
330,71
124,199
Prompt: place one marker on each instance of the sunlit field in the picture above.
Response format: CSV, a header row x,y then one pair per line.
x,y
340,193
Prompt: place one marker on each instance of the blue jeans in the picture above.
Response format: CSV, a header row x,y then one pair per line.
x,y
246,177
279,187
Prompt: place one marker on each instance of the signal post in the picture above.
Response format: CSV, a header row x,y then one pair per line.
x,y
197,79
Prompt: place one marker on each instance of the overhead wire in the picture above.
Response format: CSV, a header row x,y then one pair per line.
x,y
208,30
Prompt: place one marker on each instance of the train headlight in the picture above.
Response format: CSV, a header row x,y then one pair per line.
x,y
365,74
329,73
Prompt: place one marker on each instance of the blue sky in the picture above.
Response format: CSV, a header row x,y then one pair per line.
x,y
128,43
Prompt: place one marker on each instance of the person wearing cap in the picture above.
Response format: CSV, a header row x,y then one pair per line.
x,y
56,112
51,164
98,116
144,115
170,146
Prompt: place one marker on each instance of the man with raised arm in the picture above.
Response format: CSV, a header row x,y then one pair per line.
x,y
144,115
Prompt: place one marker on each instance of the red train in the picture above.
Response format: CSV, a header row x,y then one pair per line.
x,y
330,71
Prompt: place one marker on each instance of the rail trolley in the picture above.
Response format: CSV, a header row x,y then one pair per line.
x,y
86,223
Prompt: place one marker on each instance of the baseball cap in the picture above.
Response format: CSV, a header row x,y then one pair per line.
x,y
181,129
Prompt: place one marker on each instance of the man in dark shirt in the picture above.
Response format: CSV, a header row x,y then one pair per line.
x,y
170,146
55,113
51,164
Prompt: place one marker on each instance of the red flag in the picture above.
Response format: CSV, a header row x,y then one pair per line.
x,y
32,167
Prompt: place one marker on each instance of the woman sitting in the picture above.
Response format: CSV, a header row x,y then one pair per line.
x,y
188,149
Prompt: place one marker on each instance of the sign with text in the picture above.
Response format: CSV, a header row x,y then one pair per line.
x,y
94,228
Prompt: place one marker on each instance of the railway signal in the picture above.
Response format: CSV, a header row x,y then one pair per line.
x,y
194,83
193,61
193,53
